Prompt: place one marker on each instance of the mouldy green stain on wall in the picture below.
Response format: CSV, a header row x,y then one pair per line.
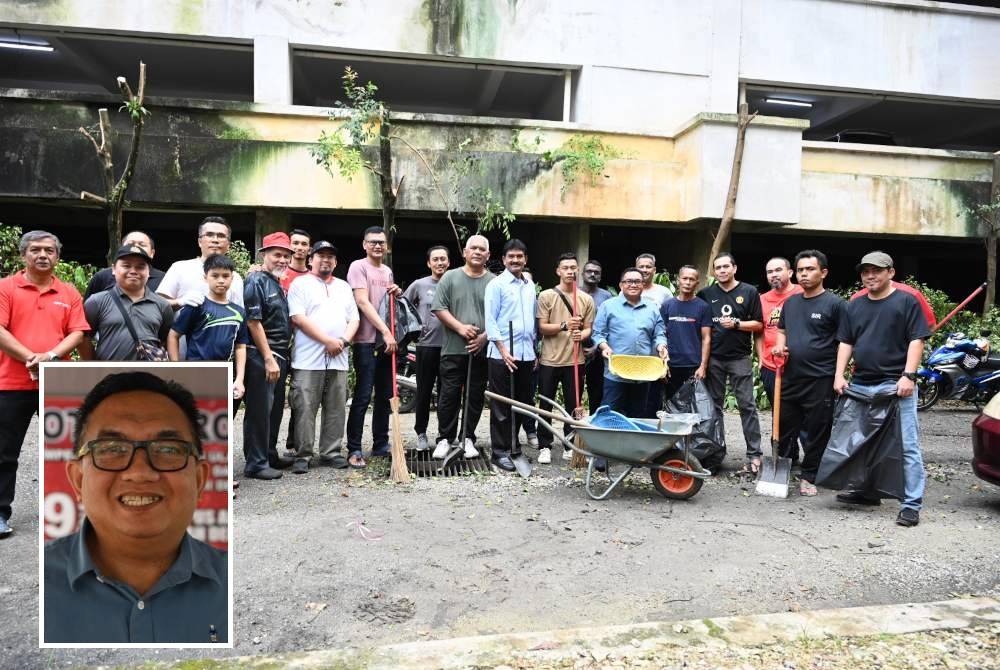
x,y
479,28
188,18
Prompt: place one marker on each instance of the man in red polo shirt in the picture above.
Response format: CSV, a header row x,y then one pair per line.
x,y
41,320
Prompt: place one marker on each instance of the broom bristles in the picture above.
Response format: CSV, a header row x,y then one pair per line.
x,y
398,472
578,460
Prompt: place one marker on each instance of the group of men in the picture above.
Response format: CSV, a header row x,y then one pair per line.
x,y
294,318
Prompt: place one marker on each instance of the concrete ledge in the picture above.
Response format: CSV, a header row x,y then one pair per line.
x,y
492,650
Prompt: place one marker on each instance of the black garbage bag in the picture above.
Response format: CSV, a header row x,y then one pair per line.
x,y
865,451
707,441
408,323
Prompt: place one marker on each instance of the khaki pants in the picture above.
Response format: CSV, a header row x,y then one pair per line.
x,y
310,391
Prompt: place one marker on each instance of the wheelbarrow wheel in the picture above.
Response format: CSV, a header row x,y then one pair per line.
x,y
673,485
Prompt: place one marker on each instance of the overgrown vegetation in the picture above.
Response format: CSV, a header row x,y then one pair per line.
x,y
580,156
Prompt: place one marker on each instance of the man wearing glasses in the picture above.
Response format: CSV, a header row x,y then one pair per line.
x,y
184,283
132,573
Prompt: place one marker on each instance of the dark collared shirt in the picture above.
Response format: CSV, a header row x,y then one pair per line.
x,y
151,317
83,606
265,301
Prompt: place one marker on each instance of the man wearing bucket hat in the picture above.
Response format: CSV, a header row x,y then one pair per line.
x,y
267,359
884,333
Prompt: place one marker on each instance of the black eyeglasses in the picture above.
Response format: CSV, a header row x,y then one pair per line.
x,y
631,281
115,454
375,243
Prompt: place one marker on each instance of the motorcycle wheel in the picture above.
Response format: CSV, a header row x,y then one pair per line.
x,y
928,393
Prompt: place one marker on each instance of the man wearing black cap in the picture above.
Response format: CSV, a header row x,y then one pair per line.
x,y
129,302
267,360
323,311
884,333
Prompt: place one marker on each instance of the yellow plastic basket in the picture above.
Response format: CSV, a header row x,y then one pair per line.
x,y
638,368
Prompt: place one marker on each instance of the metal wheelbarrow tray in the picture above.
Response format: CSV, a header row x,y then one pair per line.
x,y
674,471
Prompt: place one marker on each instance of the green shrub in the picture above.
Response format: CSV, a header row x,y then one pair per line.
x,y
70,271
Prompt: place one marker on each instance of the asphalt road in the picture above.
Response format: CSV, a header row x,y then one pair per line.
x,y
338,558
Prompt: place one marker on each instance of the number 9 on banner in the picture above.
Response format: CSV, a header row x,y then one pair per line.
x,y
60,514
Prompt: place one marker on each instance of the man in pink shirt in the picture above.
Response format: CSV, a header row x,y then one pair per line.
x,y
371,279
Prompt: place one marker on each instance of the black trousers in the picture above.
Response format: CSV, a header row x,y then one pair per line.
x,y
453,372
501,414
807,417
595,382
264,405
678,375
551,378
428,374
16,410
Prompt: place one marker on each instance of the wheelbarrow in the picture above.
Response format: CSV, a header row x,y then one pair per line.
x,y
674,471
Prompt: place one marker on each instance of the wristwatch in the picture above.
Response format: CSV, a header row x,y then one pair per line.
x,y
563,326
912,376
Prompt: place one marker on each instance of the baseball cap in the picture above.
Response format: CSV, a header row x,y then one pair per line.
x,y
276,241
133,250
879,259
323,245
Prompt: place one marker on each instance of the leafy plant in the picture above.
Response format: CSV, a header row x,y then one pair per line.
x,y
73,272
241,257
240,134
585,155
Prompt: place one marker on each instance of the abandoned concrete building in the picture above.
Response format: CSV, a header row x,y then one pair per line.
x,y
876,123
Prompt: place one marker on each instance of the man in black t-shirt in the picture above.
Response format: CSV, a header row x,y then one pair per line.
x,y
807,347
884,332
736,315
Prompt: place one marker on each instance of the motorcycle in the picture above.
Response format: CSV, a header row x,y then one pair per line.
x,y
961,369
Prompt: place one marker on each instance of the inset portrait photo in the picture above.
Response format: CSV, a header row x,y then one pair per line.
x,y
135,505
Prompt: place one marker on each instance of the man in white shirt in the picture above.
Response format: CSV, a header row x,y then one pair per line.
x,y
646,264
325,316
184,283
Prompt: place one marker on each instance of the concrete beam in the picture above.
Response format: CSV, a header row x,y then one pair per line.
x,y
838,109
488,93
87,64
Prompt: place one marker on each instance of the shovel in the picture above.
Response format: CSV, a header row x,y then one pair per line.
x,y
460,447
521,463
775,471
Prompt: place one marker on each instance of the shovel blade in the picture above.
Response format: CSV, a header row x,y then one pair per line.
x,y
522,465
774,477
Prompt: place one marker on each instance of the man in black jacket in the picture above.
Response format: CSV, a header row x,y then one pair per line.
x,y
267,360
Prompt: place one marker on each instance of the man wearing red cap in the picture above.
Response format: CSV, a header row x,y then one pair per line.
x,y
267,360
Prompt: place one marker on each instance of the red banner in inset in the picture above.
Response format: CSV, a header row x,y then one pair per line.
x,y
62,514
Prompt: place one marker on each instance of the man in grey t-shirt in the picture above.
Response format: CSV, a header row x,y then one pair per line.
x,y
421,294
460,305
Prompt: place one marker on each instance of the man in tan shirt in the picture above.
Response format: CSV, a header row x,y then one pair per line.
x,y
562,337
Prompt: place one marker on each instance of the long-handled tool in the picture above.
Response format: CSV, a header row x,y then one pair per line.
x,y
578,460
521,462
959,308
459,446
398,471
775,471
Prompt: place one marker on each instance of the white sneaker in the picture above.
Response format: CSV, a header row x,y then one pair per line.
x,y
441,450
532,439
567,455
544,456
470,449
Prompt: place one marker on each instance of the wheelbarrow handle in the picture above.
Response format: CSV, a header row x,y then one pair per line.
x,y
535,410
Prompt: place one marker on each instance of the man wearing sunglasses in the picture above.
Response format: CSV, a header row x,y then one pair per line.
x,y
132,573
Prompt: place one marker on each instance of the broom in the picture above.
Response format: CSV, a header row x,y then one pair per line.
x,y
578,460
398,471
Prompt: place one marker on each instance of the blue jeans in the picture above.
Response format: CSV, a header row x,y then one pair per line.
x,y
914,476
373,376
628,398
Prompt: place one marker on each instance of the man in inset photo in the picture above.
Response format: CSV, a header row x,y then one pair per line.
x,y
132,573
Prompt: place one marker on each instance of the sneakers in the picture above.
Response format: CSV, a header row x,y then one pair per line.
x,y
544,456
470,449
807,488
441,450
422,443
908,517
532,439
5,528
857,498
567,455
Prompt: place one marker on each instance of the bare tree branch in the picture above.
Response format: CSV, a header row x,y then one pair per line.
x,y
91,138
87,195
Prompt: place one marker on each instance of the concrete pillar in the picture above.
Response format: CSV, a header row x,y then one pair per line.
x,y
269,221
272,70
724,78
701,247
581,242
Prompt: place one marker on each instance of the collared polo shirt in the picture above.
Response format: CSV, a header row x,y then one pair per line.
x,y
38,320
151,317
265,301
81,605
509,299
629,329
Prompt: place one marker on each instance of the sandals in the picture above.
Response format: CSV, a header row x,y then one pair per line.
x,y
356,461
752,467
807,488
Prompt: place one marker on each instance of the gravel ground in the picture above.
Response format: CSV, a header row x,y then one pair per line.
x,y
338,558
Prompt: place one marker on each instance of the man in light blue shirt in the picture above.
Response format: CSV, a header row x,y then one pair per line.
x,y
510,308
628,324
